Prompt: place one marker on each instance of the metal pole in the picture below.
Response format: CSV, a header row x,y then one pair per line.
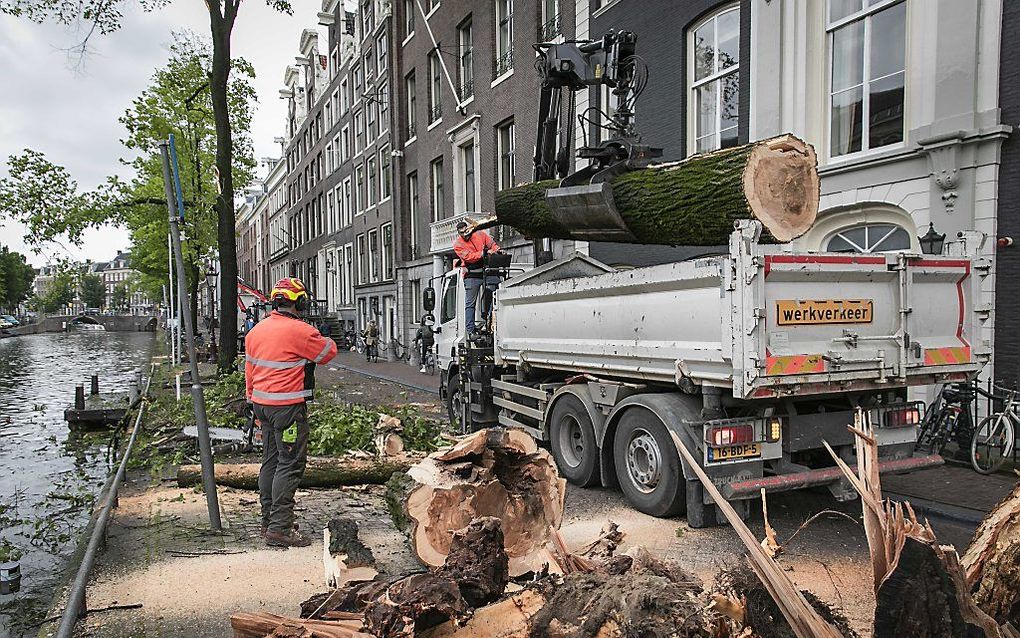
x,y
197,396
171,310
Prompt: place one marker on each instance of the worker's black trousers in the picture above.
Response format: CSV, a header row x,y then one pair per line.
x,y
284,455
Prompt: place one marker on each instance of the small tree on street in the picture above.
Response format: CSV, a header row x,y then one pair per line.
x,y
16,277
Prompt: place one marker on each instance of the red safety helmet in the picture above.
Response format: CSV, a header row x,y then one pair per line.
x,y
290,290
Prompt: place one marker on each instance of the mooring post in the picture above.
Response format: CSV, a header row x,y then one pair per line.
x,y
95,384
79,396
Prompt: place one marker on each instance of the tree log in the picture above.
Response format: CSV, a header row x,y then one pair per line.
x,y
320,472
992,562
496,472
694,202
261,624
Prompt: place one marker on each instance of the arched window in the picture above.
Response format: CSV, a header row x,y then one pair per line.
x,y
714,85
869,238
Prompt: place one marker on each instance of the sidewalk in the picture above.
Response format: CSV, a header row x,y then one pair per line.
x,y
394,371
950,490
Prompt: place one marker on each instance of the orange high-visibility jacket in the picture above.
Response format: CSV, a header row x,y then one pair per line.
x,y
277,349
470,250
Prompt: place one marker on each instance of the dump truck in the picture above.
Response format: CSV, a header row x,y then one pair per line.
x,y
755,358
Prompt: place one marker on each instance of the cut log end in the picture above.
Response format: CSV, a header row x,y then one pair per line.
x,y
495,473
782,187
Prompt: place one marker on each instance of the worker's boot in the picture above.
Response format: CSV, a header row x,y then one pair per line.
x,y
293,539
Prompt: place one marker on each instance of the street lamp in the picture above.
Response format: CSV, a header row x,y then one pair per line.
x,y
932,242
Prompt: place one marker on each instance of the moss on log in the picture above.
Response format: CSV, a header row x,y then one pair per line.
x,y
694,202
320,472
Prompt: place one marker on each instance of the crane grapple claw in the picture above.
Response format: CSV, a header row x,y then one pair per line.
x,y
588,212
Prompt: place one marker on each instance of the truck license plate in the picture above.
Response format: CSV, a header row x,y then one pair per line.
x,y
807,312
730,452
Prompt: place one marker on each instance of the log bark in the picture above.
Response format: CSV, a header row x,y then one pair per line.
x,y
320,472
498,473
992,562
344,557
694,202
261,624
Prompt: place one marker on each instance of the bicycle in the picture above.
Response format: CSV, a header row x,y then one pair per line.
x,y
993,439
400,351
430,362
951,418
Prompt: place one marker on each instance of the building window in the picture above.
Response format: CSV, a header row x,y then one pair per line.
x,y
436,170
345,96
467,176
367,17
715,86
387,251
369,66
345,143
362,260
409,7
359,131
372,177
504,37
869,238
551,25
356,85
412,211
373,255
383,103
435,87
371,116
412,106
348,278
466,60
359,190
381,53
349,207
385,178
866,98
505,150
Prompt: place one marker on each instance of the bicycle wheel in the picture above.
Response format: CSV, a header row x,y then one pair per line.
x,y
990,447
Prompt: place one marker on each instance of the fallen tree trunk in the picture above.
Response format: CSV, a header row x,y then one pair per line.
x,y
320,472
694,202
261,624
992,562
498,473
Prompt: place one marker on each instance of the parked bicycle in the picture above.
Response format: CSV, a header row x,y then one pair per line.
x,y
950,418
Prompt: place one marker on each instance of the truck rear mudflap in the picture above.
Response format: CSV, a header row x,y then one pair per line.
x,y
751,488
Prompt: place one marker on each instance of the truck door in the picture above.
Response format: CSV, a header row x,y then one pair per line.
x,y
451,310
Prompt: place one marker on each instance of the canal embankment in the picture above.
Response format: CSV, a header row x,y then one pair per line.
x,y
62,323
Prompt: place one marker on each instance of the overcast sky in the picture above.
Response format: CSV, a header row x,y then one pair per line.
x,y
69,111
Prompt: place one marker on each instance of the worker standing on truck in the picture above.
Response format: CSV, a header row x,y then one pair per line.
x,y
278,349
472,247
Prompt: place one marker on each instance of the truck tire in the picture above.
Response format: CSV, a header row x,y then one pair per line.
x,y
572,439
455,405
647,465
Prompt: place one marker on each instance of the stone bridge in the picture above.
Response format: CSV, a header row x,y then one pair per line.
x,y
113,323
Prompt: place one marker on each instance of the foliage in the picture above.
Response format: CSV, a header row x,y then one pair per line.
x,y
16,277
178,101
44,197
337,428
225,401
9,552
121,297
93,291
341,427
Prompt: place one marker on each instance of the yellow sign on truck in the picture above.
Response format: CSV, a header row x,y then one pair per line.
x,y
805,312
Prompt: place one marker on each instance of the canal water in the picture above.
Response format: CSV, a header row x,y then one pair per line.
x,y
50,477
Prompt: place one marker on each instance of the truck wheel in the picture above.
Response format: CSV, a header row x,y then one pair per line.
x,y
455,405
647,465
572,439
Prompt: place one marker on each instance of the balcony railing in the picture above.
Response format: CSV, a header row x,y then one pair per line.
x,y
504,63
550,29
467,89
412,130
435,113
444,231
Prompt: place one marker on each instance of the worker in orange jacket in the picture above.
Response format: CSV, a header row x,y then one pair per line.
x,y
278,350
472,247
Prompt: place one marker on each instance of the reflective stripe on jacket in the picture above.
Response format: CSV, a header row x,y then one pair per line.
x,y
276,351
